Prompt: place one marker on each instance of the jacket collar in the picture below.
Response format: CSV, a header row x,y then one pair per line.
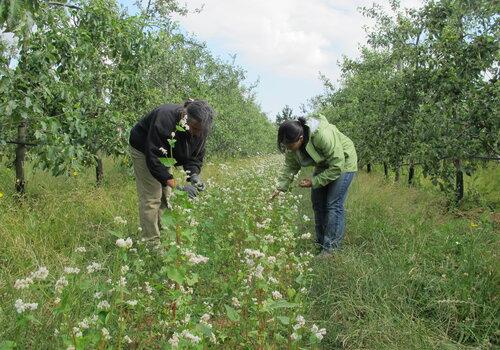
x,y
313,125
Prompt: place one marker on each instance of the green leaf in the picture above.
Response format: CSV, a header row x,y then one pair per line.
x,y
168,162
7,345
167,219
191,281
281,304
176,275
284,320
232,313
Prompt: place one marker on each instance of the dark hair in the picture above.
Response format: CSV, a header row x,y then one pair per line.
x,y
290,131
200,111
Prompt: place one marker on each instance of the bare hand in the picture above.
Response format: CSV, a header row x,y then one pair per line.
x,y
275,193
305,183
171,183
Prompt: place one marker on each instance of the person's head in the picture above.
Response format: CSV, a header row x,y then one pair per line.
x,y
292,134
199,117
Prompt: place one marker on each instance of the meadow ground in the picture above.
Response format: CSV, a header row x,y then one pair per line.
x,y
411,274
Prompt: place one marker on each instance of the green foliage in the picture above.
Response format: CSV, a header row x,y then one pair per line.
x,y
424,91
89,72
408,277
285,114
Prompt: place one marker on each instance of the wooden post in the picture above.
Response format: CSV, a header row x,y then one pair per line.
x,y
368,168
386,170
99,172
20,157
411,173
459,188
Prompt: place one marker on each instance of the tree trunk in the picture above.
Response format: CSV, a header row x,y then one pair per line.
x,y
459,189
411,173
368,168
20,157
99,172
386,170
398,173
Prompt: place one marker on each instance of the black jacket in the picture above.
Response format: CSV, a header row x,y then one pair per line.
x,y
152,132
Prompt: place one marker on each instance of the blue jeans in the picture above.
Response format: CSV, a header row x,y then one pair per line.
x,y
329,214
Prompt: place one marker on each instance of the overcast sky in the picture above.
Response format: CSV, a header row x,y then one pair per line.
x,y
283,43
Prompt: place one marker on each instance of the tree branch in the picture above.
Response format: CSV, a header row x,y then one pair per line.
x,y
54,3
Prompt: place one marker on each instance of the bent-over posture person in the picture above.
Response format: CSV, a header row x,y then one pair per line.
x,y
148,142
316,142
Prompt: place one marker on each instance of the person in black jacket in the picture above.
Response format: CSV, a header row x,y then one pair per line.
x,y
149,142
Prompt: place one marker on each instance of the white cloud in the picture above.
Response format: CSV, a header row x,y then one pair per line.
x,y
284,42
287,37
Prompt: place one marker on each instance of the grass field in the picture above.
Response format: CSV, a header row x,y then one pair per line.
x,y
411,274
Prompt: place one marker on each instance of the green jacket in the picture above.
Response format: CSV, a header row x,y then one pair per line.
x,y
332,153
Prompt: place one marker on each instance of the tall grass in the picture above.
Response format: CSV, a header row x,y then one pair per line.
x,y
410,276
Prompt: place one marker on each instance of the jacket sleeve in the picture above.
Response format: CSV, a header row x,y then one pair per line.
x,y
329,145
195,161
159,131
290,169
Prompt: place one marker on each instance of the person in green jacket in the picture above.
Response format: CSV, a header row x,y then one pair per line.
x,y
316,142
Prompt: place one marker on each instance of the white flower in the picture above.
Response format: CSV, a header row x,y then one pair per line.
x,y
165,153
294,336
120,221
272,280
125,269
193,338
105,333
271,259
103,305
277,295
80,250
127,339
196,259
23,283
306,218
97,295
84,324
205,318
306,235
131,302
61,283
318,333
172,135
77,332
254,253
123,282
41,274
107,61
22,306
93,267
235,302
148,288
300,323
57,301
174,341
258,272
124,243
71,270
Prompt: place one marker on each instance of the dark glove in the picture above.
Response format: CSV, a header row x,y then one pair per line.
x,y
191,191
196,182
